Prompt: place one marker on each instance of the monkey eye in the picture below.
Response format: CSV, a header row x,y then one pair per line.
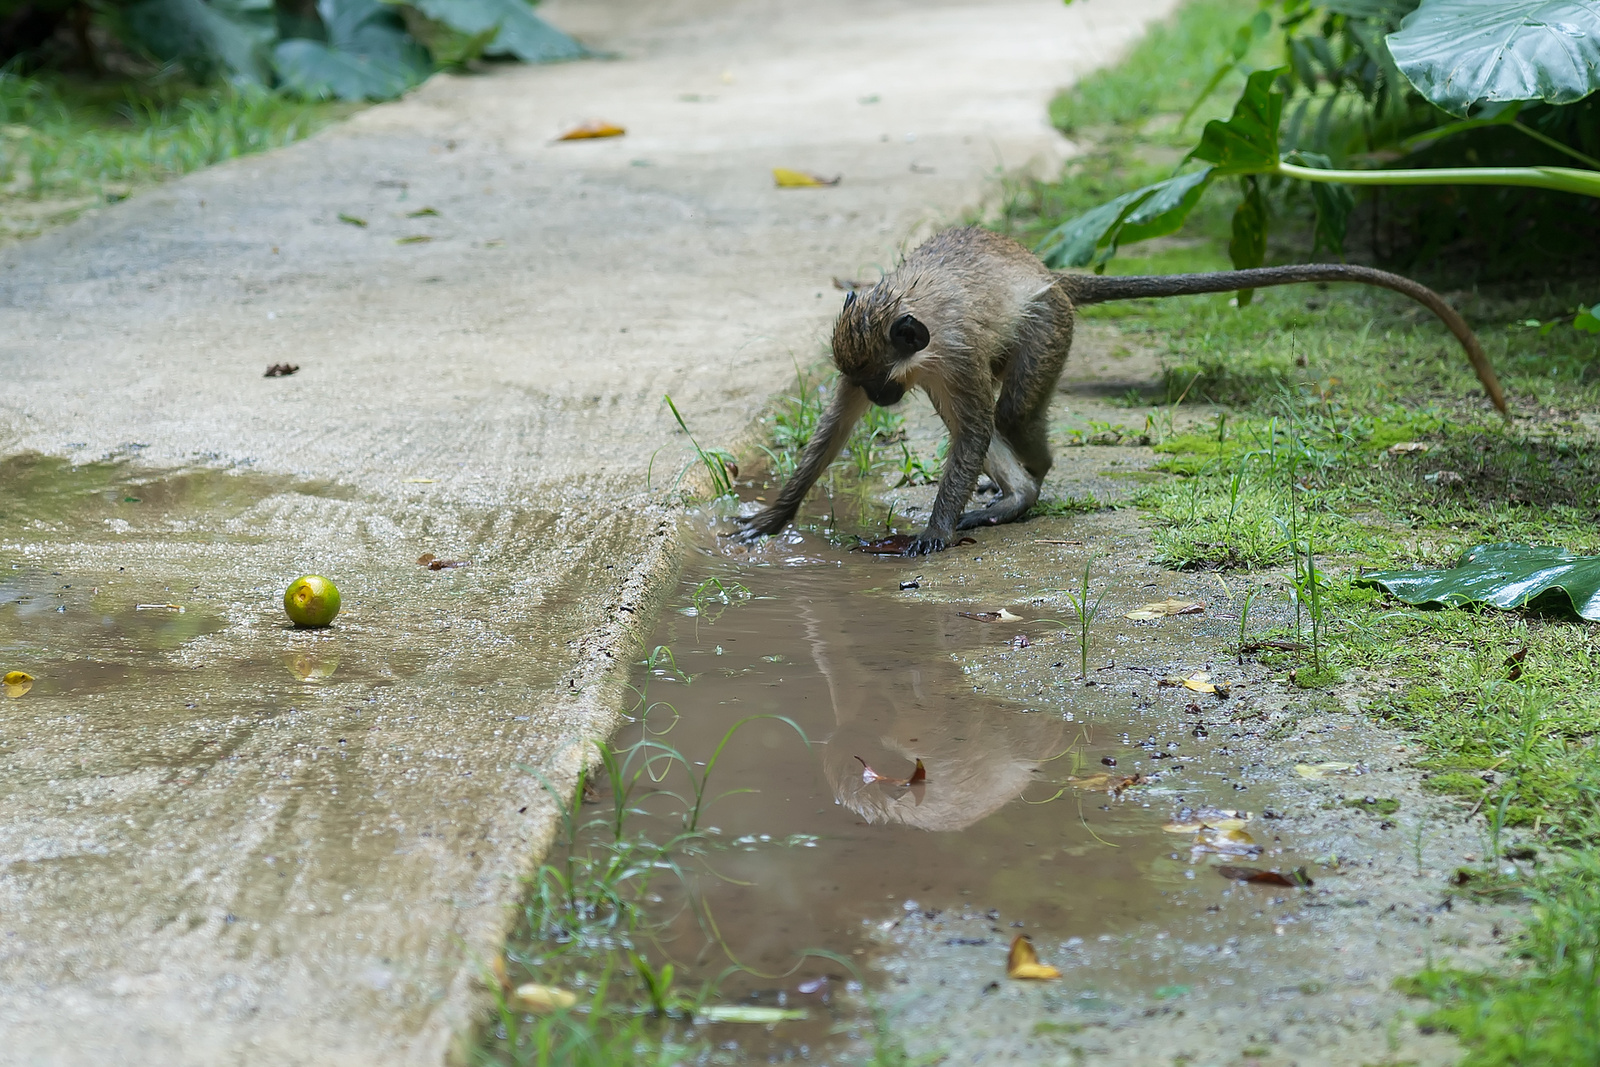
x,y
908,335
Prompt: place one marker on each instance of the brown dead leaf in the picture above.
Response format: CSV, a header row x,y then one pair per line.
x,y
785,178
1295,879
433,563
281,370
1023,962
1514,661
17,684
1402,448
1110,783
1160,609
919,774
591,130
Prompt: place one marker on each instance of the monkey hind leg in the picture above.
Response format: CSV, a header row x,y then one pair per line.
x,y
1019,489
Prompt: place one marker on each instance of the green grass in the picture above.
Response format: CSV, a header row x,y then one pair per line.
x,y
68,144
1289,475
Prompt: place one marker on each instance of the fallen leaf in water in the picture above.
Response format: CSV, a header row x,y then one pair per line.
x,y
1226,842
1320,770
990,616
352,219
281,370
918,775
433,563
1401,448
1110,783
591,130
1199,682
414,239
1160,609
747,1013
1208,818
1514,661
1023,961
1276,644
17,683
544,999
159,607
813,985
799,179
1295,879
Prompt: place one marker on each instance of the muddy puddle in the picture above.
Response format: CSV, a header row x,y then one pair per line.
x,y
824,683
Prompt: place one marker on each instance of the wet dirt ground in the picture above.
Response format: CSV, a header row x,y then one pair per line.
x,y
1014,831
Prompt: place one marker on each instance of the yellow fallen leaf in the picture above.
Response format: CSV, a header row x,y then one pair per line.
x,y
1023,962
748,1013
592,129
17,683
1227,842
544,999
1200,682
1320,770
1160,609
799,179
310,667
1194,825
1400,448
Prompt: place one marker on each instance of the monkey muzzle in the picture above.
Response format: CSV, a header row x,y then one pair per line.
x,y
885,392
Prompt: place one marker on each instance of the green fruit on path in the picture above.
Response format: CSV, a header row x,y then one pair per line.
x,y
311,601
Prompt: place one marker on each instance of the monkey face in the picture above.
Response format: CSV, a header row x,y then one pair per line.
x,y
872,349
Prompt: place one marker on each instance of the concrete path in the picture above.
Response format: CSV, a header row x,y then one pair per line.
x,y
205,858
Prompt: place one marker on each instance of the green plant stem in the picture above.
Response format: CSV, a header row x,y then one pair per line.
x,y
1561,179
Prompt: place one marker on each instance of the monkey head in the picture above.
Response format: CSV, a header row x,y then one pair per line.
x,y
874,341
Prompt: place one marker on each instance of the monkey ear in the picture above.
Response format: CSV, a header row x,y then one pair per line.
x,y
908,335
849,298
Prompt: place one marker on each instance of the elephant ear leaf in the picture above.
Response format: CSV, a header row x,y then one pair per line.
x,y
1502,576
1461,54
1248,142
1149,211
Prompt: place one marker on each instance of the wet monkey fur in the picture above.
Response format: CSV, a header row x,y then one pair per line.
x,y
974,320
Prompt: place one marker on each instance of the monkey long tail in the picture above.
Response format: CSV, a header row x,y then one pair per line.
x,y
1099,288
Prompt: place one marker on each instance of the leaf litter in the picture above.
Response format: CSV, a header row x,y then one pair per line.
x,y
784,178
1160,609
990,616
592,130
17,684
1022,962
433,563
1295,879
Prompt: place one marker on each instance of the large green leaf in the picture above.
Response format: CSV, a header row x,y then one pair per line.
x,y
522,33
226,37
1462,53
1248,142
368,56
1505,576
1149,211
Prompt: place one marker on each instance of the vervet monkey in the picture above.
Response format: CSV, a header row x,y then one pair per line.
x,y
980,325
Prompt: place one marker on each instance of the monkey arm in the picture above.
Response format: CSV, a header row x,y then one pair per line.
x,y
1099,288
827,440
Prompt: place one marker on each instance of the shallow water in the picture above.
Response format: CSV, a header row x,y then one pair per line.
x,y
808,855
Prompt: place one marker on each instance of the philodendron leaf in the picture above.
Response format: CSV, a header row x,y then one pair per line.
x,y
1462,53
1150,211
522,33
230,37
1504,576
1248,142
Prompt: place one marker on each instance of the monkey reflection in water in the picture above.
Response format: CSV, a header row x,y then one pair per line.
x,y
892,709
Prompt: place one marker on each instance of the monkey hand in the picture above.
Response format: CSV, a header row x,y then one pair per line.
x,y
763,523
926,543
